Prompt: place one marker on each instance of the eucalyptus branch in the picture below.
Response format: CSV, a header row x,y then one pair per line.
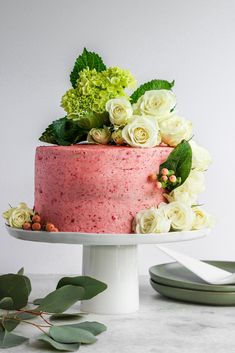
x,y
35,325
15,291
36,313
45,320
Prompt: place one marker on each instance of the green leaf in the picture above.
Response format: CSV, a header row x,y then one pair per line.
x,y
10,324
86,60
68,132
61,299
6,303
57,345
27,283
180,161
17,287
23,315
37,301
48,135
67,334
66,316
21,271
151,85
8,340
13,320
91,286
91,119
92,326
64,132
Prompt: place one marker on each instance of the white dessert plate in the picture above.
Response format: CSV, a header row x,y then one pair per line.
x,y
105,239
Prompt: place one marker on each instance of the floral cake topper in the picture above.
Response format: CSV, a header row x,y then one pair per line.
x,y
99,110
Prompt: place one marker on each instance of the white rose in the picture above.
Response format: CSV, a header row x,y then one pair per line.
x,y
202,219
117,137
99,135
183,195
174,129
195,183
22,205
151,220
18,217
156,103
7,214
120,110
25,206
142,131
201,157
180,215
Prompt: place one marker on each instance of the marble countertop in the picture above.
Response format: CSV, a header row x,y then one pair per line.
x,y
160,326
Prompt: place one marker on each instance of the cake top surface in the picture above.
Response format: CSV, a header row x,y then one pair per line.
x,y
101,148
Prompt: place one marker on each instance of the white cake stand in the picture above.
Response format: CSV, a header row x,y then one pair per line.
x,y
111,258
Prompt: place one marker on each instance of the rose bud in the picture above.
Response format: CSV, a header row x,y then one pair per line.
x,y
117,137
99,135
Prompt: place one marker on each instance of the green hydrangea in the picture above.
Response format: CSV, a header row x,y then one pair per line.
x,y
94,89
73,103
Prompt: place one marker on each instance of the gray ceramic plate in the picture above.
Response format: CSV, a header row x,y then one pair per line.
x,y
195,296
176,275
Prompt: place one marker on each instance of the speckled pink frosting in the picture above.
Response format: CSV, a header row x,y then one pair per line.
x,y
95,188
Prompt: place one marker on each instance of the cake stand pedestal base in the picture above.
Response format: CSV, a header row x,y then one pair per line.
x,y
118,267
110,258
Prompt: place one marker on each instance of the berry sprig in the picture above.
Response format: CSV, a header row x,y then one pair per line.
x,y
36,225
166,179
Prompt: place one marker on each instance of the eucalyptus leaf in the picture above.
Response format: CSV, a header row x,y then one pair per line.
x,y
10,324
8,340
21,271
180,161
57,345
92,326
23,315
91,286
66,316
17,287
28,283
6,303
68,334
61,299
37,301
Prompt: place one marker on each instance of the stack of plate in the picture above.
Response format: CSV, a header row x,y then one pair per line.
x,y
174,281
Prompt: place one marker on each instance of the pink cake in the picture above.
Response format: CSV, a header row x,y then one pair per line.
x,y
95,188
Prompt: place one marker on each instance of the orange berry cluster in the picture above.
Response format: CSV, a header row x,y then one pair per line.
x,y
36,224
166,179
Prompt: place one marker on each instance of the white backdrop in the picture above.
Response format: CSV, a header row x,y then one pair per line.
x,y
189,41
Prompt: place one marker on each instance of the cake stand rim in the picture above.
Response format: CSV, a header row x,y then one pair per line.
x,y
105,238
